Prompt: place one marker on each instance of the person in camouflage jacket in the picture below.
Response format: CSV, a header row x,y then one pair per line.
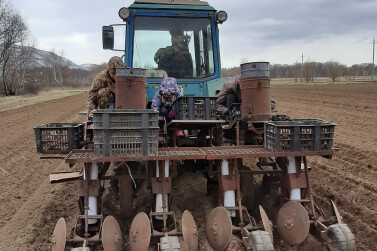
x,y
230,93
102,92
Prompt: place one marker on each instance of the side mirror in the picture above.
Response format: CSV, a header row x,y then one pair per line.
x,y
108,37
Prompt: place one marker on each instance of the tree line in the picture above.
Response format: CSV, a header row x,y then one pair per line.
x,y
307,71
19,72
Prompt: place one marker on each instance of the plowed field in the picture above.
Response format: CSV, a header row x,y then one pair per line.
x,y
30,206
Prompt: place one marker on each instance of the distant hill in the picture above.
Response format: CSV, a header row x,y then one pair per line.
x,y
41,58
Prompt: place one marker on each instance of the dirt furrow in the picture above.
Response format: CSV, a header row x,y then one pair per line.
x,y
351,199
23,173
30,206
347,176
365,235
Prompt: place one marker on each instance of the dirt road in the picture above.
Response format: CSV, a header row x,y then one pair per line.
x,y
30,206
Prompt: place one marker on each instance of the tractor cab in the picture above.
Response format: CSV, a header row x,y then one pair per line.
x,y
177,39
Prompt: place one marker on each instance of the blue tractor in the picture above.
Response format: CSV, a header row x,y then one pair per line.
x,y
180,39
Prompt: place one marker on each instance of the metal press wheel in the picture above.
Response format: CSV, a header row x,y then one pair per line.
x,y
342,238
260,241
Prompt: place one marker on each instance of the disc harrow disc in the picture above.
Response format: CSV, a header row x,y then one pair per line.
x,y
219,228
140,233
111,235
59,235
293,223
266,223
189,231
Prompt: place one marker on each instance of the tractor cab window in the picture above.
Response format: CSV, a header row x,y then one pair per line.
x,y
174,46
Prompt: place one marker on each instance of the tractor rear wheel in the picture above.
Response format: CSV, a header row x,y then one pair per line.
x,y
260,241
341,236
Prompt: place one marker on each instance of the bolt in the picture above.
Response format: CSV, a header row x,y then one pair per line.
x,y
214,231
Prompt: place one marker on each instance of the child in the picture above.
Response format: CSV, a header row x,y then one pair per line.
x,y
164,98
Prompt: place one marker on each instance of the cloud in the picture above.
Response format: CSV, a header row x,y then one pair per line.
x,y
275,30
279,31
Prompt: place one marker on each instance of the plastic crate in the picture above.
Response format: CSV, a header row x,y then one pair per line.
x,y
299,135
195,108
124,119
54,138
121,133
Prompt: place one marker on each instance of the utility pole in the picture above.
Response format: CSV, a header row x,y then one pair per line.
x,y
373,58
302,62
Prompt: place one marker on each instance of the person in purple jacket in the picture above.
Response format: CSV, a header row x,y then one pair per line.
x,y
164,98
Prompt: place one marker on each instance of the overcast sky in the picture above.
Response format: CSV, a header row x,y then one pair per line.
x,y
278,31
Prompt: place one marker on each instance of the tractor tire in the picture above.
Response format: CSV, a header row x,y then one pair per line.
x,y
342,238
126,197
260,241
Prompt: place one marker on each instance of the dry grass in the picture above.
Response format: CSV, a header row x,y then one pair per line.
x,y
14,102
320,80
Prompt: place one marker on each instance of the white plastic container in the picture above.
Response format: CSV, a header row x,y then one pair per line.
x,y
229,196
93,200
295,192
158,207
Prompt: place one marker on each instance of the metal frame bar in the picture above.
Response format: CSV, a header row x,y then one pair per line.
x,y
186,153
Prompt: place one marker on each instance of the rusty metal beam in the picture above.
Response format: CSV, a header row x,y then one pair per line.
x,y
93,187
160,184
226,183
294,180
309,188
255,151
52,156
174,153
191,153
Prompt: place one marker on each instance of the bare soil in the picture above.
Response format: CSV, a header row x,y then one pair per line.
x,y
30,206
14,102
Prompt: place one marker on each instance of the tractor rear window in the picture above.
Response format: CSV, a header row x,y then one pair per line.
x,y
176,46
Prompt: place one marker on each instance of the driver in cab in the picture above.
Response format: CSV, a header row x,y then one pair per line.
x,y
175,59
